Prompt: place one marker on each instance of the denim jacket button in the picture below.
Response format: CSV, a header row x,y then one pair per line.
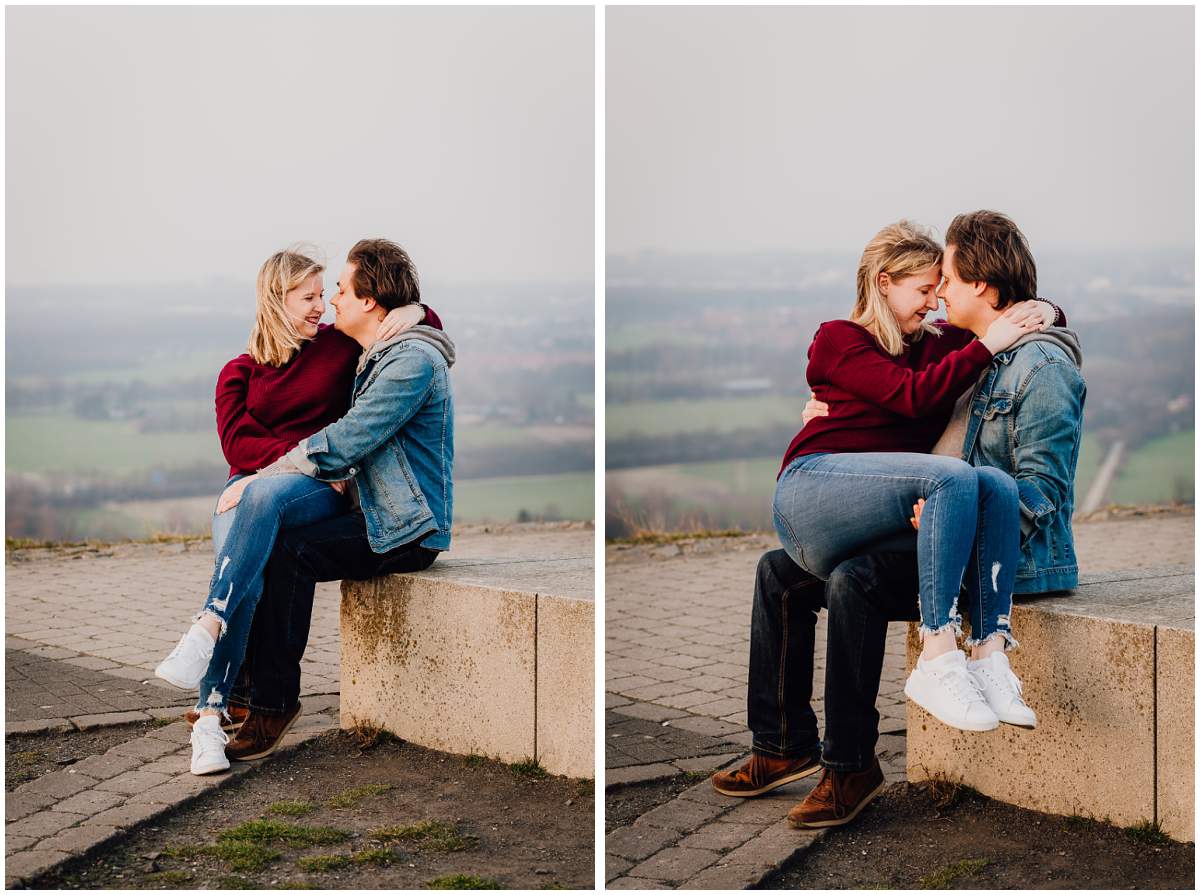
x,y
353,470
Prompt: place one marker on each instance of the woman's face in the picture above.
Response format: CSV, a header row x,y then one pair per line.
x,y
911,298
305,304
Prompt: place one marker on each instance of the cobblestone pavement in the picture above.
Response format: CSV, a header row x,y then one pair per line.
x,y
66,813
85,628
677,620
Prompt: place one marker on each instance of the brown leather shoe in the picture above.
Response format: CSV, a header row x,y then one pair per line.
x,y
260,735
763,773
237,714
838,797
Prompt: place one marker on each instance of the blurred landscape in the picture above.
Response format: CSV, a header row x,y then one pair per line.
x,y
705,367
111,428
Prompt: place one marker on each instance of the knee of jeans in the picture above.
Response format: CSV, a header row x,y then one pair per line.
x,y
843,587
996,481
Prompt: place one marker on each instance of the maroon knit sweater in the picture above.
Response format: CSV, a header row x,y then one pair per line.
x,y
263,412
882,403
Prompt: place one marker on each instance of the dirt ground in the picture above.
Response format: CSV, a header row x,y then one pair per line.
x,y
903,840
334,816
625,804
27,757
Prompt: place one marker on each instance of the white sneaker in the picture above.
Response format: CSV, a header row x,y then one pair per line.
x,y
945,689
186,664
1002,689
208,746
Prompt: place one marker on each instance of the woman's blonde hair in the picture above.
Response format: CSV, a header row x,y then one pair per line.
x,y
900,250
274,340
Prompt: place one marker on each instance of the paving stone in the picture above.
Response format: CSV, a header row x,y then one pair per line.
x,y
725,876
721,837
78,840
707,762
59,784
107,719
133,782
146,748
42,824
94,663
773,846
106,766
125,816
37,725
90,801
179,733
23,804
681,815
629,882
614,866
675,864
650,712
20,843
637,842
638,774
26,865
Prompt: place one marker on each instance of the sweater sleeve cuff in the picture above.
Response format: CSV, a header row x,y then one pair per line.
x,y
298,456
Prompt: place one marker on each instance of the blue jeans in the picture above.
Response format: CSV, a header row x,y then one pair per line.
x,y
242,541
830,507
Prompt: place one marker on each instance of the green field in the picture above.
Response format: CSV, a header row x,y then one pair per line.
x,y
567,496
716,414
1159,471
1091,455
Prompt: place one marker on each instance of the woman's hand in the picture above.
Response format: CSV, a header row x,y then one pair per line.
x,y
1040,311
1004,332
340,487
398,320
232,495
814,409
915,518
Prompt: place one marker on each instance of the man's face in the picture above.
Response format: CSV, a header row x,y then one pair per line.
x,y
965,302
349,308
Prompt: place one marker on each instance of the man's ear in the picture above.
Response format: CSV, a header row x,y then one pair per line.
x,y
369,305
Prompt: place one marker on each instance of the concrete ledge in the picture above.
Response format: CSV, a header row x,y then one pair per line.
x,y
1109,670
486,654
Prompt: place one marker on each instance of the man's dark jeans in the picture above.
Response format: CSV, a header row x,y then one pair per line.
x,y
862,595
334,549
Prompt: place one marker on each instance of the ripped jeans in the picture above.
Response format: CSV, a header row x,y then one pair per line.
x,y
830,507
242,542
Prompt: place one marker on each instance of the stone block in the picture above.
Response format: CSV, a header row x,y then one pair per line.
x,y
444,665
39,725
59,784
726,876
125,816
78,840
637,842
108,719
675,864
566,697
43,824
26,865
1176,753
106,766
1090,679
721,837
642,773
681,815
634,882
23,804
91,801
132,782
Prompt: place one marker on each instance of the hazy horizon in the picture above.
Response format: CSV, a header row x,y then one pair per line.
x,y
777,129
160,145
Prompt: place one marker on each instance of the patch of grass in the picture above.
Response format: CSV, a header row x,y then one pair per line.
x,y
348,797
376,856
258,831
1148,833
293,885
292,809
673,537
242,855
462,881
367,736
236,882
474,761
25,757
182,852
529,769
429,835
1085,822
170,877
162,722
946,877
697,775
586,788
948,792
323,863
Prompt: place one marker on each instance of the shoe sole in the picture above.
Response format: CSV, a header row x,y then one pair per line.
x,y
174,683
782,781
211,769
841,821
274,745
979,728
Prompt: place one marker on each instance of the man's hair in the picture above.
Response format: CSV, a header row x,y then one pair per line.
x,y
383,271
989,248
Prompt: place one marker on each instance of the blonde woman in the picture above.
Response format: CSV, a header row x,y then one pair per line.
x,y
295,379
852,479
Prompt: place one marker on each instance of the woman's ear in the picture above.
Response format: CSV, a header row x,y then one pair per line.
x,y
884,282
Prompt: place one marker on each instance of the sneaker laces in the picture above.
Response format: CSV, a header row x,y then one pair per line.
x,y
960,685
208,738
1004,678
825,792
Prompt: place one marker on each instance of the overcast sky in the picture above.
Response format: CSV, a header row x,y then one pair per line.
x,y
771,128
169,144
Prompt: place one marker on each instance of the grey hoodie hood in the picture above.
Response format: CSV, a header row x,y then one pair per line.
x,y
951,442
434,337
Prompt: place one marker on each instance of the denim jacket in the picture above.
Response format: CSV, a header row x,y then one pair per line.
x,y
1027,418
396,441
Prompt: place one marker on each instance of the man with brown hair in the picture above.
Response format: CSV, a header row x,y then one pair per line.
x,y
395,446
1024,416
